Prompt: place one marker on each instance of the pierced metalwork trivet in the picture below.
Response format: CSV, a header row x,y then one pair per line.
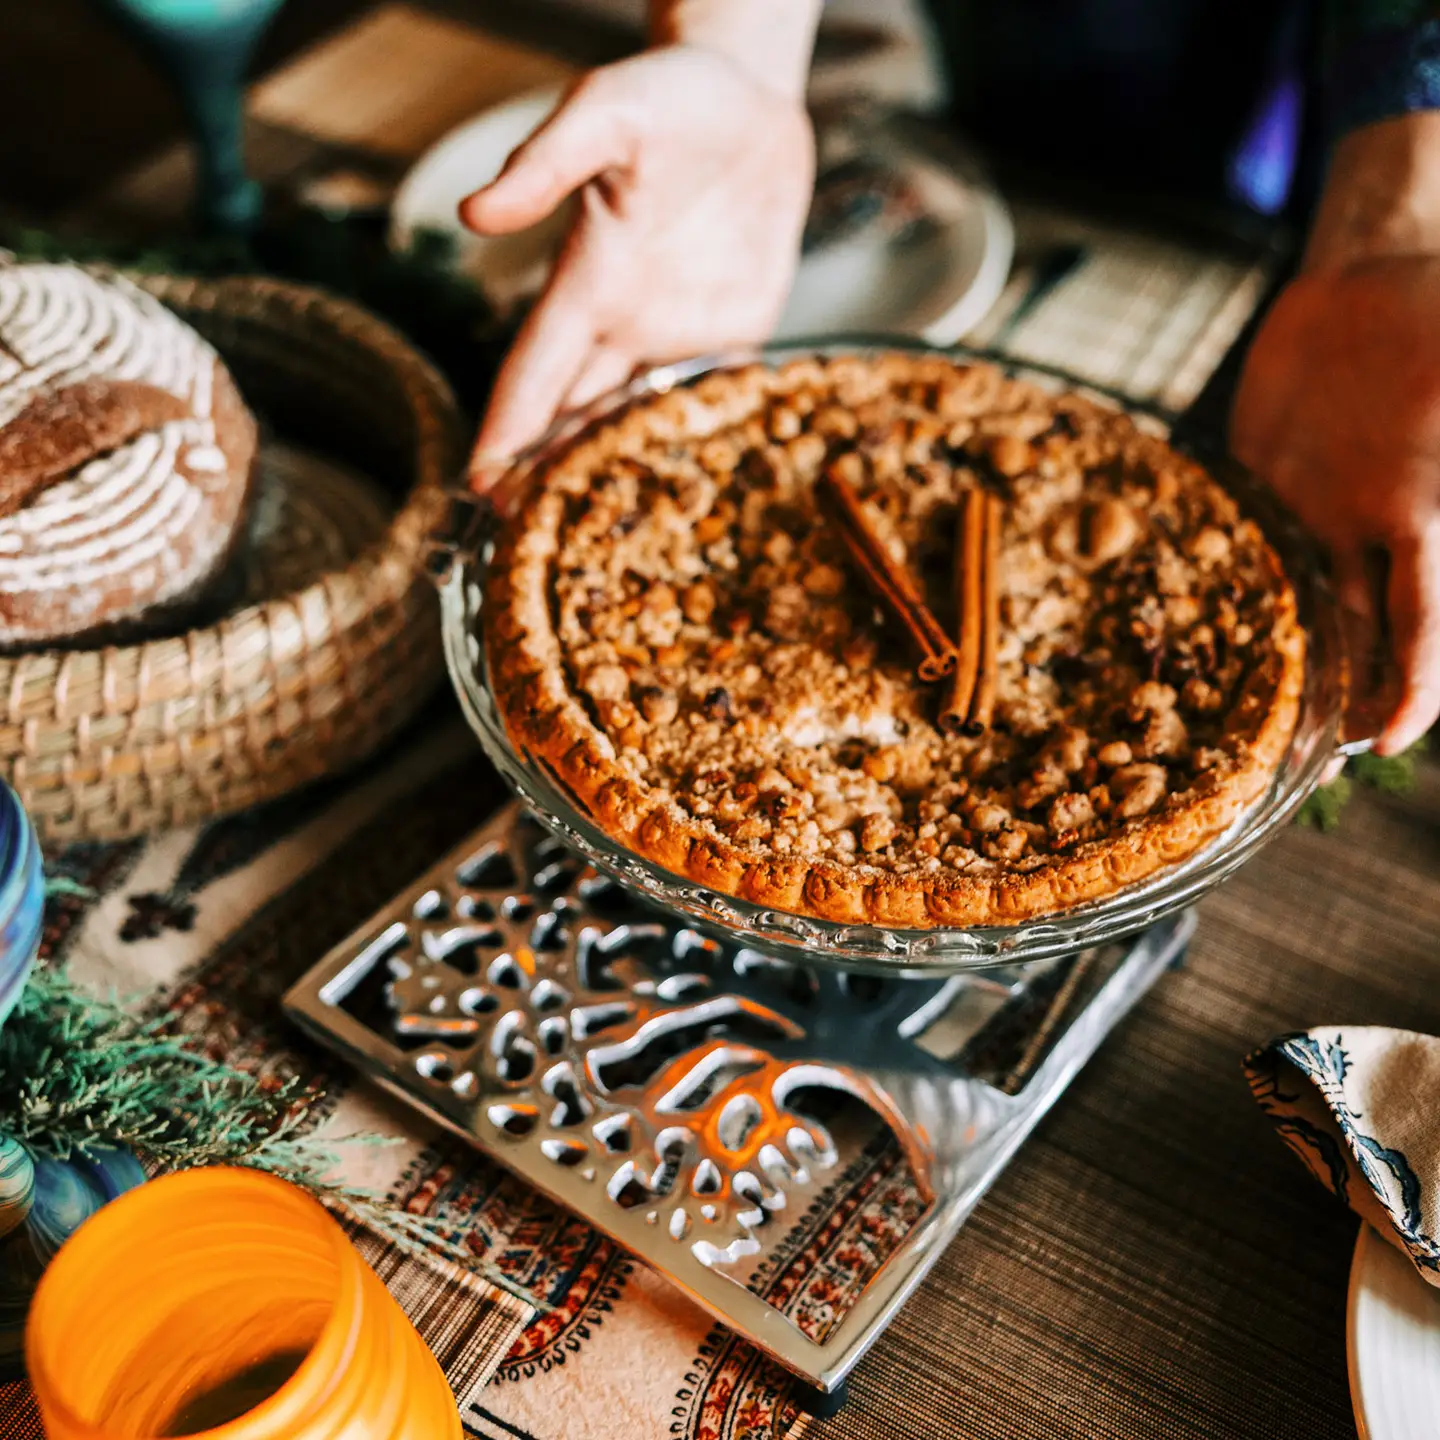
x,y
690,1096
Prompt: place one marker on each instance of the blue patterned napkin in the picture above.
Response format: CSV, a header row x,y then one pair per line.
x,y
1361,1107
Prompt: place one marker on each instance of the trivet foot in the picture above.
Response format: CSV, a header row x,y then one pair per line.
x,y
821,1404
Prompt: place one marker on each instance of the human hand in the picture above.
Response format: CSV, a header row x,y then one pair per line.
x,y
695,181
1339,410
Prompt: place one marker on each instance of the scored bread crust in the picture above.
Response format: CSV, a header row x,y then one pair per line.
x,y
127,458
552,728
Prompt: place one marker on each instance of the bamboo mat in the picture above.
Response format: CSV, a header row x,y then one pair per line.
x,y
1154,1263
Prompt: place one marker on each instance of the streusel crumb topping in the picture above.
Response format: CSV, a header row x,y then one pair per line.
x,y
706,618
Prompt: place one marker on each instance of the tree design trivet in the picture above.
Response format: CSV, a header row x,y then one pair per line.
x,y
689,1095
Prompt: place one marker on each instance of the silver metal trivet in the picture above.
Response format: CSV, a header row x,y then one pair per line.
x,y
692,1096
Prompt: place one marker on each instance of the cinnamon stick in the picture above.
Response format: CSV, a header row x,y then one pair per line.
x,y
892,586
969,609
982,712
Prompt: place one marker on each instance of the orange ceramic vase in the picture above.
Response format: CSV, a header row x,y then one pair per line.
x,y
227,1304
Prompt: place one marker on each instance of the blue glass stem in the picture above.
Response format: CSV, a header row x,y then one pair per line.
x,y
212,88
207,45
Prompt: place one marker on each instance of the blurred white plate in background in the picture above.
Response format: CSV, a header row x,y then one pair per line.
x,y
935,283
1394,1343
509,268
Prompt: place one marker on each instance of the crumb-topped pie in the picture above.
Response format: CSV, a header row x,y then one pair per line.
x,y
679,632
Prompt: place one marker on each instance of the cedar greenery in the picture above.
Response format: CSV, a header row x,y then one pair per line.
x,y
1390,774
80,1074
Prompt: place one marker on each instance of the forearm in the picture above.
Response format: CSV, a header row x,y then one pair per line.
x,y
1381,108
770,39
1382,194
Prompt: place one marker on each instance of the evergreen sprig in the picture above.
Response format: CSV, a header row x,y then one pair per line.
x,y
1389,774
79,1074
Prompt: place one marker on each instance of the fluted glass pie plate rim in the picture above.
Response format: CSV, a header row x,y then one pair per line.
x,y
880,949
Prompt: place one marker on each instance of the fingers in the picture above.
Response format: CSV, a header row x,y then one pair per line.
x,y
607,369
552,347
1354,585
1413,605
1263,395
604,370
1253,421
1358,598
586,136
601,372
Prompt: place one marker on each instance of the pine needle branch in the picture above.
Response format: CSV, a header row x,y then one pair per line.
x,y
1323,807
1389,774
78,1074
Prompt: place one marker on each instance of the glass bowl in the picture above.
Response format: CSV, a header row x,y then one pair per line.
x,y
878,949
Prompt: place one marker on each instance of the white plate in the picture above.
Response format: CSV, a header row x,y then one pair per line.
x,y
936,285
509,268
1394,1344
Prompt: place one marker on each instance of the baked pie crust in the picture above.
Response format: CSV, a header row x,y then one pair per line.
x,y
675,633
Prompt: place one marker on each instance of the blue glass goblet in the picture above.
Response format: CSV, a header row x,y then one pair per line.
x,y
22,902
206,45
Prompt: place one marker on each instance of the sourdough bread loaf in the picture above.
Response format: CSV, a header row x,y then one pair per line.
x,y
126,455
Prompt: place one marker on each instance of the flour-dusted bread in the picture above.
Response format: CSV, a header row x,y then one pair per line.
x,y
125,456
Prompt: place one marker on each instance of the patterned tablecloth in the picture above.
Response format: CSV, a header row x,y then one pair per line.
x,y
1153,1263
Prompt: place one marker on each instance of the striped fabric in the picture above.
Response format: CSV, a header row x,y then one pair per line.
x,y
468,1323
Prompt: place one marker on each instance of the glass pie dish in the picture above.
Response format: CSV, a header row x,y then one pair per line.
x,y
930,951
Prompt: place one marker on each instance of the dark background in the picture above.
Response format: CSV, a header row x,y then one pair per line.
x,y
80,101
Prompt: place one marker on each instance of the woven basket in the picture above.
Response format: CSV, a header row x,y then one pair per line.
x,y
115,742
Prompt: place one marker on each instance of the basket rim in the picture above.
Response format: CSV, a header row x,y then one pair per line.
x,y
405,537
